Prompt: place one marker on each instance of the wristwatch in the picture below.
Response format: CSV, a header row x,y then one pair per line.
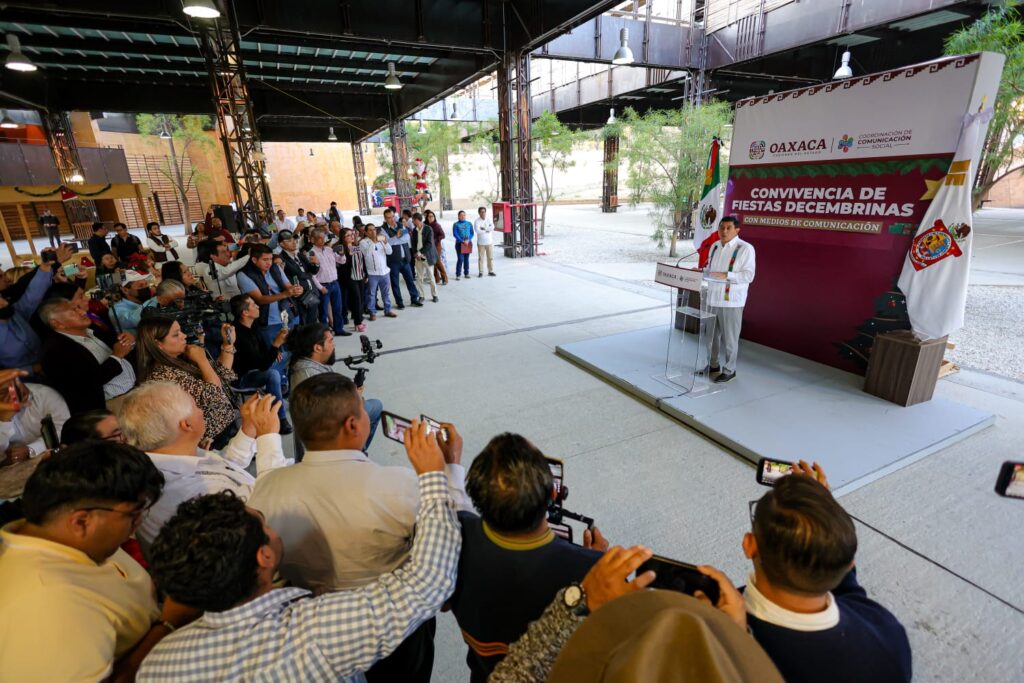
x,y
575,599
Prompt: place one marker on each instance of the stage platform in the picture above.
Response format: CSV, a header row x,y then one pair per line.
x,y
782,406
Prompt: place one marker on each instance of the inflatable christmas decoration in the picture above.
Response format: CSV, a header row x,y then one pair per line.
x,y
420,175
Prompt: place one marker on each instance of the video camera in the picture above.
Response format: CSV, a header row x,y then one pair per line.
x,y
556,513
369,355
194,313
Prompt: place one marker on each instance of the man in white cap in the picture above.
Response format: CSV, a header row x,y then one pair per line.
x,y
136,289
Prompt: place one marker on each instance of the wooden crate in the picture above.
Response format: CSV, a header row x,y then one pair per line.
x,y
903,369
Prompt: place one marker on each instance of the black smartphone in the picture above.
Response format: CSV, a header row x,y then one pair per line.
x,y
395,426
1011,480
435,426
49,433
770,471
557,473
681,577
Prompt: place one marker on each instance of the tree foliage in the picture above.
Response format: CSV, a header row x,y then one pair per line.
x,y
665,151
999,30
553,143
187,133
483,140
439,140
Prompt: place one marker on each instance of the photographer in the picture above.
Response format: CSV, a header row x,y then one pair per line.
x,y
162,247
254,358
312,349
512,565
216,269
166,355
803,602
269,288
136,290
168,294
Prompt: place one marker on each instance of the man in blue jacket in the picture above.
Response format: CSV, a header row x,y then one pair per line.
x,y
19,344
463,232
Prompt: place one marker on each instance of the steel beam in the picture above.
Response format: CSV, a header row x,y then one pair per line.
x,y
359,170
243,150
400,159
61,140
515,149
610,179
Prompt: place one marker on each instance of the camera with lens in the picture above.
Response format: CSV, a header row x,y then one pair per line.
x,y
196,313
557,514
369,355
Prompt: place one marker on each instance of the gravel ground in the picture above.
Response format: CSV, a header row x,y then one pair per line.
x,y
992,339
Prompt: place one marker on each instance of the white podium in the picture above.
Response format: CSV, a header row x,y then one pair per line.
x,y
691,328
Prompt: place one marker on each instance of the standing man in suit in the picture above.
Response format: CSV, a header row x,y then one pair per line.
x,y
400,260
424,254
730,269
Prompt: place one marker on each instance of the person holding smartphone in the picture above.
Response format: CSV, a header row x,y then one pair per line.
x,y
23,406
376,249
255,359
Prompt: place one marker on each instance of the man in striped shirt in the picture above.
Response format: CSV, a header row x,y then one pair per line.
x,y
218,555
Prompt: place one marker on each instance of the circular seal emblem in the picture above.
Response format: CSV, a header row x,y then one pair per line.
x,y
707,216
756,149
932,247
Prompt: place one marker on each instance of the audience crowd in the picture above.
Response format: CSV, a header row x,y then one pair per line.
x,y
162,534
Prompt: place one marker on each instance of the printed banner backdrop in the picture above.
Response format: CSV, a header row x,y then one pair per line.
x,y
830,183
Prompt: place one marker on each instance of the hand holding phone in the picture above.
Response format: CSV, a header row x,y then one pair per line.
x,y
1011,480
770,471
681,577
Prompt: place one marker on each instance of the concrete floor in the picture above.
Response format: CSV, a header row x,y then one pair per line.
x,y
937,545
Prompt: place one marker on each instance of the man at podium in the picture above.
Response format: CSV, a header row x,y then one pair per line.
x,y
730,270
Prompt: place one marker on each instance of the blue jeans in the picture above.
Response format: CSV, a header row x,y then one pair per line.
x,y
378,282
462,266
270,380
332,301
269,333
373,408
405,271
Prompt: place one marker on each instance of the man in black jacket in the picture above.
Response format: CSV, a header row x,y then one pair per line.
x,y
400,260
125,244
300,268
98,242
254,358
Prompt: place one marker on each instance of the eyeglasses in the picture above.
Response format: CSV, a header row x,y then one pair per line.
x,y
135,513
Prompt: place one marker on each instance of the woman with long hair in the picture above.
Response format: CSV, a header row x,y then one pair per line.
x,y
441,267
352,276
178,271
165,355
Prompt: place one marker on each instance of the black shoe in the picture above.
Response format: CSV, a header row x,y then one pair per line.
x,y
343,333
400,306
493,274
725,377
480,275
457,278
434,299
418,303
286,427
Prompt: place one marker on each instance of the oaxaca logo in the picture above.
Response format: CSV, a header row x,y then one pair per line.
x,y
798,146
937,243
756,149
846,143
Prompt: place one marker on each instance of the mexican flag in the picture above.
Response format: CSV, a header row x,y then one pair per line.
x,y
934,277
709,209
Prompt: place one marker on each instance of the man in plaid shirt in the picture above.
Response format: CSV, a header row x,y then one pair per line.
x,y
219,556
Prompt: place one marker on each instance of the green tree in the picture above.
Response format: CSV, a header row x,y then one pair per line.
x,y
553,142
483,140
666,150
433,145
184,134
998,30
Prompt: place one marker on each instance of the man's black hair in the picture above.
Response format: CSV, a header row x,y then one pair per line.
x,y
206,250
97,226
481,208
406,212
388,210
730,219
510,484
806,541
205,555
303,338
89,473
237,304
120,225
417,216
82,426
151,224
257,250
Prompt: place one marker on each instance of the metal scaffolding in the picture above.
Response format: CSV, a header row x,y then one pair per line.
x,y
221,46
400,159
610,181
515,147
61,140
359,170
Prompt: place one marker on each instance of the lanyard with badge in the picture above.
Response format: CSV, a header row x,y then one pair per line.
x,y
732,264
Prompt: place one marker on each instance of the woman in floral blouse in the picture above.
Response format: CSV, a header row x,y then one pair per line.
x,y
164,355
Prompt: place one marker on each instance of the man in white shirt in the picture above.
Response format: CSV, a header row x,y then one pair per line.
x,y
300,217
375,252
21,434
344,519
327,280
283,223
216,269
730,270
484,228
163,420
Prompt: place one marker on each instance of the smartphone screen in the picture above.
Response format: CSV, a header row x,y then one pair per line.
x,y
556,473
1011,480
679,576
49,433
435,426
71,270
770,471
395,426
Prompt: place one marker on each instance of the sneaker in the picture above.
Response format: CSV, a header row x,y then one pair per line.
x,y
390,314
400,307
725,377
361,327
342,333
418,303
457,278
434,299
372,317
286,427
493,274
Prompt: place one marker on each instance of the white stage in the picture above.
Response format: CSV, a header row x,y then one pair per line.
x,y
782,406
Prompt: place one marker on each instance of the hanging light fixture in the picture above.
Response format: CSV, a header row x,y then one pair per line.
x,y
392,82
311,151
16,59
623,55
201,9
844,71
76,177
454,105
331,137
611,117
422,129
7,121
164,135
